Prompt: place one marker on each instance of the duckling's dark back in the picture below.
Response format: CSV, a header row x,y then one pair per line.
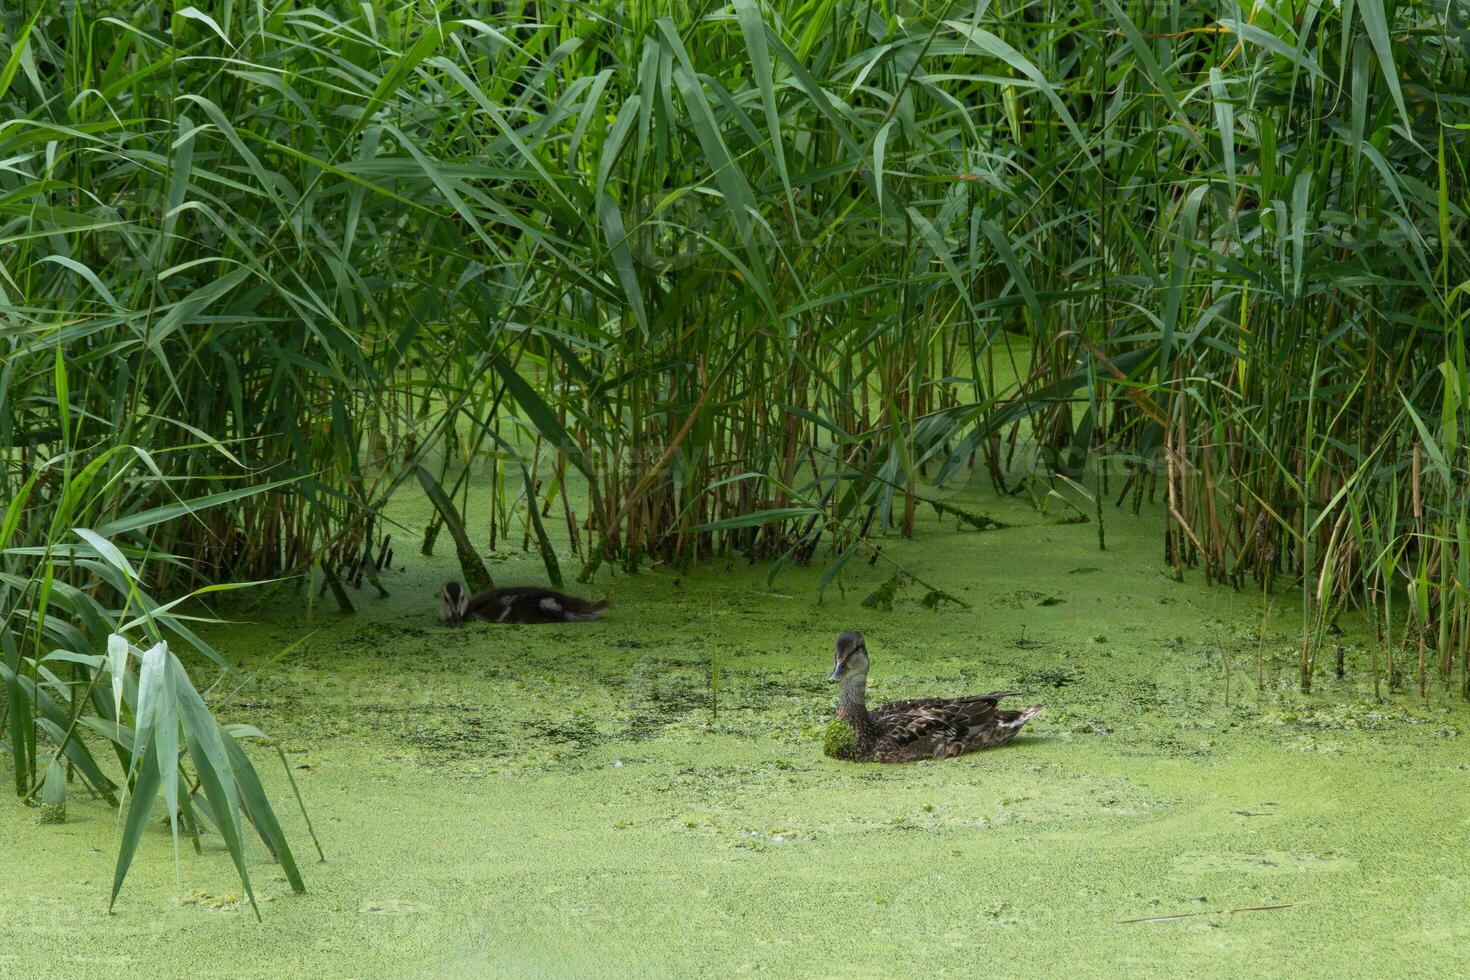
x,y
523,604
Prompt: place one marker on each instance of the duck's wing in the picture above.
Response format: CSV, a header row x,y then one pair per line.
x,y
923,724
978,702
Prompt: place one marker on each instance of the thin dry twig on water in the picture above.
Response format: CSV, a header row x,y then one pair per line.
x,y
1195,915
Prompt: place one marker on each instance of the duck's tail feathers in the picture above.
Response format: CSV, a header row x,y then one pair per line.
x,y
580,610
1008,724
1014,720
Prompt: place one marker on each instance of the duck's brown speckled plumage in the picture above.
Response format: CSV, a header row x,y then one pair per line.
x,y
515,604
921,728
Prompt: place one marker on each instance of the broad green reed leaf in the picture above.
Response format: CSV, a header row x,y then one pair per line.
x,y
107,551
257,809
1375,21
206,743
151,694
739,198
140,804
195,14
20,46
88,275
997,48
1430,443
753,30
616,237
168,513
118,650
63,399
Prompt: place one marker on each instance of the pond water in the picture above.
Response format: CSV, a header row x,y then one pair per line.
x,y
647,794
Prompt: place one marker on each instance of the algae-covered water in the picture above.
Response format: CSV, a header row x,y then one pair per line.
x,y
647,795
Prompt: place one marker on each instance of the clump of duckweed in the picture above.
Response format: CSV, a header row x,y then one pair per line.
x,y
217,903
839,741
1352,716
882,597
1017,599
934,597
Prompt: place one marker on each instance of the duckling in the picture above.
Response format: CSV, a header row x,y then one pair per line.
x,y
514,604
925,728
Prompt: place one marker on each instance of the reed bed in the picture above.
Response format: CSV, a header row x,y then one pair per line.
x,y
698,277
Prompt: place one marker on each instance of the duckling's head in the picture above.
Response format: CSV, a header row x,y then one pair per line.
x,y
453,601
850,659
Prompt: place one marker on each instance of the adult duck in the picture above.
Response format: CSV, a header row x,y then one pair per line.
x,y
923,728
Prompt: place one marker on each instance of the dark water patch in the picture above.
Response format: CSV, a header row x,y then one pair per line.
x,y
575,732
658,693
456,737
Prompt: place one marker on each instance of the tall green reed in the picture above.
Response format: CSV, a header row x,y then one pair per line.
x,y
759,275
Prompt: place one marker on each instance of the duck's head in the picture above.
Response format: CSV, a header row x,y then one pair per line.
x,y
850,659
453,601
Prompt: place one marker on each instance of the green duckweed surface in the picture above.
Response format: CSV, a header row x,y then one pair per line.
x,y
577,801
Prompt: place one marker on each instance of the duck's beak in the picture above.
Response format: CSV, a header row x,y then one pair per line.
x,y
836,674
450,612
